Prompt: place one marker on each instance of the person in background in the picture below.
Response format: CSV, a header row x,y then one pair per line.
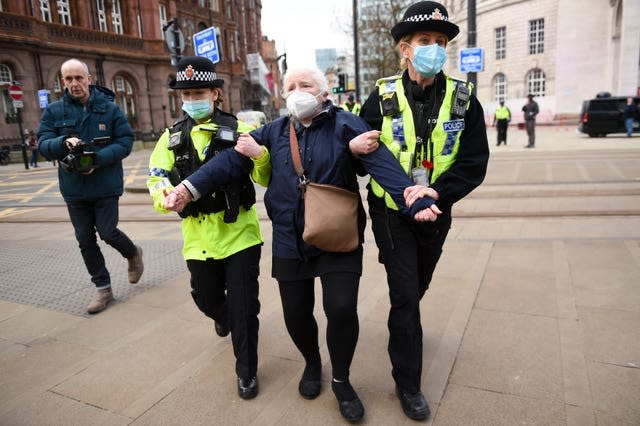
x,y
86,117
630,113
530,110
435,126
352,105
501,120
221,232
32,145
326,133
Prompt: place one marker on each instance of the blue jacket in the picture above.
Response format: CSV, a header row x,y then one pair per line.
x,y
102,117
326,158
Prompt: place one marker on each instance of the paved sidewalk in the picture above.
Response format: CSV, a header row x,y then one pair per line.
x,y
533,316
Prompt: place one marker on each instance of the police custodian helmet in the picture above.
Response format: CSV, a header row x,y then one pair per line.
x,y
425,16
195,72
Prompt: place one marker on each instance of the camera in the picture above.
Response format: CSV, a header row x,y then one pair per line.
x,y
80,161
226,137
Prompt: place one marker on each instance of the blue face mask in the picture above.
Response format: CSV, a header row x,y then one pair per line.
x,y
428,60
198,110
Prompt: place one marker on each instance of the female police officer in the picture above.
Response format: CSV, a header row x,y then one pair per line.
x,y
436,129
221,233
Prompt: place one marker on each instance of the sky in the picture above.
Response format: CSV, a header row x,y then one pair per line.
x,y
299,27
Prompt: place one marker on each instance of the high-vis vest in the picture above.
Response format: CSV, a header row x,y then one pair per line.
x,y
502,113
355,109
398,133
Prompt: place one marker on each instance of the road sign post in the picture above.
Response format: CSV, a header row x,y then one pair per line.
x,y
16,93
205,44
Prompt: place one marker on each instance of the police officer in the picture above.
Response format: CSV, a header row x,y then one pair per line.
x,y
222,238
436,129
352,105
501,120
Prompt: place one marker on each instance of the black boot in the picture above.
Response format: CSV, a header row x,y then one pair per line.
x,y
413,404
350,405
310,383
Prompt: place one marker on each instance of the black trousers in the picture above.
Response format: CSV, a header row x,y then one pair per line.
x,y
101,216
409,252
227,290
501,127
339,300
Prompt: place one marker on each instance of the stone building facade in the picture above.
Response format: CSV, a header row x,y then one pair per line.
x,y
123,44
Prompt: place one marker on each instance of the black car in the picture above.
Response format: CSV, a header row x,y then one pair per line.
x,y
603,115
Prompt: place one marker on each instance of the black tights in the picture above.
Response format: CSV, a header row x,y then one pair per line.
x,y
339,300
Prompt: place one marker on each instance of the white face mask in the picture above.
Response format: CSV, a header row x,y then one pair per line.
x,y
302,104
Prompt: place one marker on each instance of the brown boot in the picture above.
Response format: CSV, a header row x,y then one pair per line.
x,y
100,301
136,266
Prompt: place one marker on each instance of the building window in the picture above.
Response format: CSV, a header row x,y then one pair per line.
x,y
536,36
499,87
535,82
102,16
116,17
6,78
64,12
201,3
163,17
45,10
125,98
501,42
5,75
214,5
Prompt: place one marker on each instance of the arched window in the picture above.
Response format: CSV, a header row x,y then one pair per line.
x,y
535,82
499,87
125,97
172,101
6,79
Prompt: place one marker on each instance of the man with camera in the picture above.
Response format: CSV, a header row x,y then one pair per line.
x,y
90,136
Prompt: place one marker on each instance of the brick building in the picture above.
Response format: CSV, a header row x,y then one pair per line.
x,y
123,44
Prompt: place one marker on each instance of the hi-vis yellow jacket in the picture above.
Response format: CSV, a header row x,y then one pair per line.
x,y
205,236
399,130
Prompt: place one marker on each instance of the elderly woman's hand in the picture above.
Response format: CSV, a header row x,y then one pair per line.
x,y
177,199
428,215
248,146
365,143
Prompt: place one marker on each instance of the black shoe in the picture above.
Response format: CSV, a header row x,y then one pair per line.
x,y
248,389
350,405
310,384
413,404
222,330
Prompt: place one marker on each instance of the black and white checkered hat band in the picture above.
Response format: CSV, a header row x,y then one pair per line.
x,y
425,17
197,76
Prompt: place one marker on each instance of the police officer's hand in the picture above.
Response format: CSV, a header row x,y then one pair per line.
x,y
413,193
365,143
248,146
428,215
177,199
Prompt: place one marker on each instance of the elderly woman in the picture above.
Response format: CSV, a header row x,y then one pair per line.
x,y
325,132
436,127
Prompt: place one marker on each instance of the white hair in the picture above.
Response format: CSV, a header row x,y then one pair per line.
x,y
316,75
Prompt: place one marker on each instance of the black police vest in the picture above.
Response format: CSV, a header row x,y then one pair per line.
x,y
228,198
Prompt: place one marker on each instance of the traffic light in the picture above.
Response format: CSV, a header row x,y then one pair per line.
x,y
342,82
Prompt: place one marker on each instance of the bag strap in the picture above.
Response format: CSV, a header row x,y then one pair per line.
x,y
297,162
295,151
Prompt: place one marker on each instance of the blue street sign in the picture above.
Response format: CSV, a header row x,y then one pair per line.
x,y
471,59
206,44
43,98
